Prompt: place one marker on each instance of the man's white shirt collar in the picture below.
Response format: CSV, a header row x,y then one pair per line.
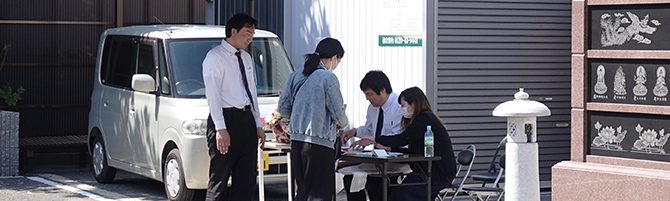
x,y
388,103
228,47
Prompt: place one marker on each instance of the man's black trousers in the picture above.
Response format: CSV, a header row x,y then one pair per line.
x,y
240,161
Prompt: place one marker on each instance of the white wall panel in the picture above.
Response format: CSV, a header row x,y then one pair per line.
x,y
358,24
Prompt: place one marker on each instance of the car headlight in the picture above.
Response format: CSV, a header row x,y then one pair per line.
x,y
194,127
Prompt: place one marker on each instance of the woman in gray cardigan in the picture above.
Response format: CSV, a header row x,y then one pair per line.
x,y
312,101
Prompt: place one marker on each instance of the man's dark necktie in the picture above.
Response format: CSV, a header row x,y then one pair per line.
x,y
244,78
380,123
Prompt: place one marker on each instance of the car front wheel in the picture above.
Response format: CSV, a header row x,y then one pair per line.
x,y
173,178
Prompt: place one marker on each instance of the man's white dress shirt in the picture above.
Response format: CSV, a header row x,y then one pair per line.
x,y
224,87
391,126
392,119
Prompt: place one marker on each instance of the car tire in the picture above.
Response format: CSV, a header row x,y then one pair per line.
x,y
173,178
102,172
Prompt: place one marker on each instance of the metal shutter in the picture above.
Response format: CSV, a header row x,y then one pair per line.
x,y
269,14
486,50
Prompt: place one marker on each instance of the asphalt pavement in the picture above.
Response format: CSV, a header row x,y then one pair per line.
x,y
21,188
54,177
77,184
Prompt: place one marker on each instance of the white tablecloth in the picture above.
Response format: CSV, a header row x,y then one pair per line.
x,y
360,174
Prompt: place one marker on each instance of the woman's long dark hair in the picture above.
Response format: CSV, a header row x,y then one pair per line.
x,y
415,97
327,48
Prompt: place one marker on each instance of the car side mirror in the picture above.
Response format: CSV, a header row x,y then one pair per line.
x,y
143,83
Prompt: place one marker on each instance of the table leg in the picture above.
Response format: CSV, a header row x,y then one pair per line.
x,y
428,180
385,182
261,176
291,193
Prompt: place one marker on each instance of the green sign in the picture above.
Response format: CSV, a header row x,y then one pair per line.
x,y
400,40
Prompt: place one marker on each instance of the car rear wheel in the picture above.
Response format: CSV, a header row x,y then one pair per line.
x,y
173,178
102,172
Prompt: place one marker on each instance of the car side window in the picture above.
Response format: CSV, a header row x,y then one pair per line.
x,y
104,65
119,61
163,72
145,61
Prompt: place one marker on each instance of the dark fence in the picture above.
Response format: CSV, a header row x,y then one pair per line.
x,y
269,14
52,48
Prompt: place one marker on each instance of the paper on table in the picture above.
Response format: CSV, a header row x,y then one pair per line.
x,y
369,154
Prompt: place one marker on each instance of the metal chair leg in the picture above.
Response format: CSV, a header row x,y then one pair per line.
x,y
501,195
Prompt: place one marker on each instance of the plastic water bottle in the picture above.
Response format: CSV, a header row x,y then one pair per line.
x,y
428,142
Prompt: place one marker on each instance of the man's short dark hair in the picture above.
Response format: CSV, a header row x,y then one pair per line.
x,y
239,21
376,81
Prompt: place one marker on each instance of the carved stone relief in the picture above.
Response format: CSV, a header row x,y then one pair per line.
x,y
629,80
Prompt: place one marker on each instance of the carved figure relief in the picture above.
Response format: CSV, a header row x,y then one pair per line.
x,y
620,84
660,90
608,138
620,28
600,87
650,141
640,90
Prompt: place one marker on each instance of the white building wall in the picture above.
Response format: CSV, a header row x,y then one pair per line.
x,y
358,24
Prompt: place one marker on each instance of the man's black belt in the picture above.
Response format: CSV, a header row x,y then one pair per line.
x,y
233,109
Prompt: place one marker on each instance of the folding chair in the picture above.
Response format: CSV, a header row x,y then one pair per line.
x,y
464,158
492,173
483,193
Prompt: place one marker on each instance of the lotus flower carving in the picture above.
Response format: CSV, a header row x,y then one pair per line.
x,y
650,140
608,137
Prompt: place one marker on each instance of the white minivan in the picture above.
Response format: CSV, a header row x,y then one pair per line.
x,y
148,109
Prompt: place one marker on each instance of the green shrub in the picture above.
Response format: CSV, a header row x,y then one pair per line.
x,y
10,96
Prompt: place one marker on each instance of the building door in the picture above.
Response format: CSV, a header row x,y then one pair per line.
x,y
486,51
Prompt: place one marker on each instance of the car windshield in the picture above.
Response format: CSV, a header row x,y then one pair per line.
x,y
272,66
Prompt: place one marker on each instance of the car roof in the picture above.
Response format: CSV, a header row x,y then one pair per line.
x,y
174,31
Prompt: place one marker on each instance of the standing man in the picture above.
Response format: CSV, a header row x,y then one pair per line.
x,y
234,128
383,118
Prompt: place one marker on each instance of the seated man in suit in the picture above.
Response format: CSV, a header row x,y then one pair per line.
x,y
383,118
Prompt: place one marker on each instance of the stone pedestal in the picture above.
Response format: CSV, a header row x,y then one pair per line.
x,y
9,143
596,181
522,174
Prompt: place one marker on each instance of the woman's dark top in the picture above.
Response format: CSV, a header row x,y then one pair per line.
x,y
443,170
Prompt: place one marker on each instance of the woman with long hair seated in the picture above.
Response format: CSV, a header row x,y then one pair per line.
x,y
417,115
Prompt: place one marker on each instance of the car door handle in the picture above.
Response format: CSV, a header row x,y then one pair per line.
x,y
105,104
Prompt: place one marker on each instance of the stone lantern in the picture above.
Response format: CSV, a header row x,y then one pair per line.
x,y
522,179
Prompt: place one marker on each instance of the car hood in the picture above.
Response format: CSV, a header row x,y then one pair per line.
x,y
198,108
